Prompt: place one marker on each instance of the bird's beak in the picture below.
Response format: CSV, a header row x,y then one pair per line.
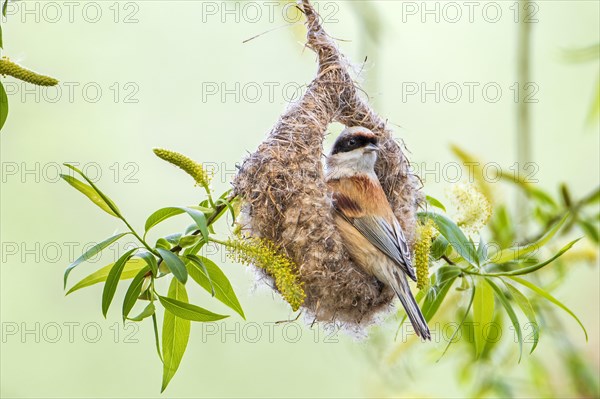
x,y
371,148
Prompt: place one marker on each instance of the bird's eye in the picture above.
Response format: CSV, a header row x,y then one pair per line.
x,y
351,142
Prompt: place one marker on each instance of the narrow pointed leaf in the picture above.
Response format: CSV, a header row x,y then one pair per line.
x,y
93,251
166,213
3,106
157,337
590,229
175,335
435,297
89,192
188,241
132,267
188,311
527,310
593,197
445,273
483,314
147,312
175,265
455,236
160,216
150,261
194,263
113,280
438,247
459,328
545,294
511,314
513,254
229,206
104,197
434,202
533,268
482,248
133,291
210,277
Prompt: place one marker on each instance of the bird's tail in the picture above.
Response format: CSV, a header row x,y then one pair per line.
x,y
400,286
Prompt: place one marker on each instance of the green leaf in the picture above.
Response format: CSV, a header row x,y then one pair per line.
x,y
445,273
150,261
482,249
229,206
113,280
89,192
175,334
93,251
134,290
175,265
132,267
513,254
166,213
502,227
438,247
594,196
163,243
147,312
188,241
1,44
462,322
435,296
147,295
160,216
3,106
4,7
188,311
173,238
483,314
533,268
528,311
543,293
204,275
511,314
541,196
157,338
455,236
210,277
107,201
434,202
590,230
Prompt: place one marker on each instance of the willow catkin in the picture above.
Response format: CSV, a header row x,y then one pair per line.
x,y
191,167
7,67
425,233
264,254
473,210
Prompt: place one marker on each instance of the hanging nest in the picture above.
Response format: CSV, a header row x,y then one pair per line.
x,y
286,199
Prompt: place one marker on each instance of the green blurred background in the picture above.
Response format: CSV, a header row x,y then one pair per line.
x,y
176,74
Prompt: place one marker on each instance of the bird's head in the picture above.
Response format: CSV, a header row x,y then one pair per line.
x,y
354,152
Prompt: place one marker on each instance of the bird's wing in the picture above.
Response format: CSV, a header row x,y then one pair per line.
x,y
387,238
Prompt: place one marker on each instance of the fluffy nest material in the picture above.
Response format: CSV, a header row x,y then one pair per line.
x,y
286,199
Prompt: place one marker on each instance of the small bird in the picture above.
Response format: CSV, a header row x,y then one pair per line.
x,y
364,217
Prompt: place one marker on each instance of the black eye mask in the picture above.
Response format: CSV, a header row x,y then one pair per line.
x,y
350,143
